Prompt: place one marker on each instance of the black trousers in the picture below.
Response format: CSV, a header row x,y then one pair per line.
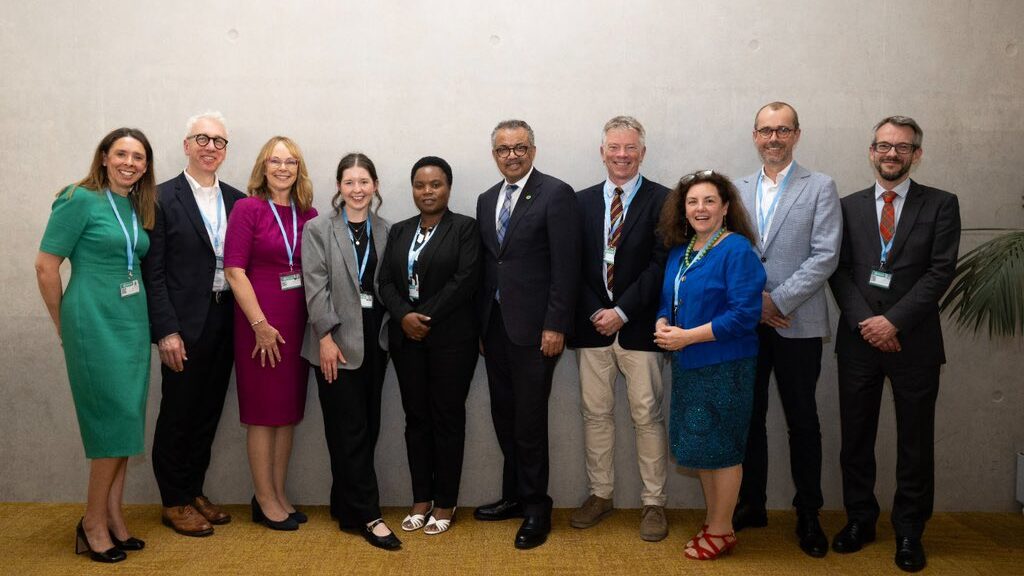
x,y
190,408
434,382
797,365
914,391
351,410
519,380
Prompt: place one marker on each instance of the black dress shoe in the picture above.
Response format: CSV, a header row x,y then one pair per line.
x,y
812,538
129,544
389,542
501,510
82,545
288,524
909,554
533,532
749,517
853,537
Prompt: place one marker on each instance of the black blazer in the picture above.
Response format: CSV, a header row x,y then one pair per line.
x,y
449,276
179,267
639,267
922,263
537,266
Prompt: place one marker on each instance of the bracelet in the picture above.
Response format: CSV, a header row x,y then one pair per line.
x,y
256,323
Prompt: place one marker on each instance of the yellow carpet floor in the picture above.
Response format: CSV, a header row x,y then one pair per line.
x,y
39,539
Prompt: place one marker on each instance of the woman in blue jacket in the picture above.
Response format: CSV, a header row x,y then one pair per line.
x,y
710,307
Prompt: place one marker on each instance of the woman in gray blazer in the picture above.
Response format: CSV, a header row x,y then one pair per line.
x,y
347,342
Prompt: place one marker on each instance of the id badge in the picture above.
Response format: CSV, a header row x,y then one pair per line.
x,y
365,300
130,288
291,280
220,263
414,291
609,255
880,279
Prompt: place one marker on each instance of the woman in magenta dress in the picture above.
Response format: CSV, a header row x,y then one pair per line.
x,y
262,263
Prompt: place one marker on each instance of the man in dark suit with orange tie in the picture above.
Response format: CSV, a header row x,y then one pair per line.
x,y
529,233
898,257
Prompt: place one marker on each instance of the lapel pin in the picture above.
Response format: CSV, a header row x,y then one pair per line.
x,y
528,197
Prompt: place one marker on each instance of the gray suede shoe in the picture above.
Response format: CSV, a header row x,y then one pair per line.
x,y
653,524
591,512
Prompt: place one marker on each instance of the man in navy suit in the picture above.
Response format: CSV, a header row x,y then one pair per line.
x,y
898,257
530,253
190,312
622,267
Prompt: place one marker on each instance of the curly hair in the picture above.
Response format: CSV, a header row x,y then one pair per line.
x,y
673,227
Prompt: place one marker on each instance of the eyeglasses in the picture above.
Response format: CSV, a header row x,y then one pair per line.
x,y
289,163
202,140
691,177
902,148
783,132
517,150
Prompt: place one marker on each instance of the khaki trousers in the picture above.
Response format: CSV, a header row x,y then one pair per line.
x,y
599,368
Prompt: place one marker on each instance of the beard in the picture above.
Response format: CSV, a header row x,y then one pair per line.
x,y
892,175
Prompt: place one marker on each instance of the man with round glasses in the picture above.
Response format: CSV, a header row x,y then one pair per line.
x,y
190,311
799,224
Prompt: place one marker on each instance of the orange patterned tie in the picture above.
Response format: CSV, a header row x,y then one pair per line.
x,y
887,224
614,231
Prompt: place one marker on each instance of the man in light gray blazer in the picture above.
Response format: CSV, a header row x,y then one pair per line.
x,y
799,222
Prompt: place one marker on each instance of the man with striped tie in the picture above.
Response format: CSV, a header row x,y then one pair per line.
x,y
529,231
898,257
622,267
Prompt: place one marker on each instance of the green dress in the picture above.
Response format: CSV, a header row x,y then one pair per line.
x,y
105,336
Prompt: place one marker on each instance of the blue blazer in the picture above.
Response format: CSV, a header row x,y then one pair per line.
x,y
724,288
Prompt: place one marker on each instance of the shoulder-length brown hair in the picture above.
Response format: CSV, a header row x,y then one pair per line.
x,y
673,227
302,189
143,193
356,160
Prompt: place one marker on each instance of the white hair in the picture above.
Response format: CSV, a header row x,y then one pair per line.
x,y
209,115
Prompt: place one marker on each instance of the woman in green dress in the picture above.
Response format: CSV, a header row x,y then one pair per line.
x,y
100,224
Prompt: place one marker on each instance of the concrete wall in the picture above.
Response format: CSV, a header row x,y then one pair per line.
x,y
403,79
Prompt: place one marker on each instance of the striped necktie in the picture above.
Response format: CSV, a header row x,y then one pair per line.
x,y
614,233
506,212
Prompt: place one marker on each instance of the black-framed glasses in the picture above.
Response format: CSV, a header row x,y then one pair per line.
x,y
902,148
698,174
783,132
517,150
203,139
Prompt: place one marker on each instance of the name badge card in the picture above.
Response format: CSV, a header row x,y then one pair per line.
x,y
130,288
366,300
414,291
609,255
880,279
291,280
220,263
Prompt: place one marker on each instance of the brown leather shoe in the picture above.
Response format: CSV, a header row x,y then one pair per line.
x,y
186,520
213,513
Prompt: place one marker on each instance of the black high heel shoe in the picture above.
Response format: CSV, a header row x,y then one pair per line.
x,y
258,516
129,544
82,545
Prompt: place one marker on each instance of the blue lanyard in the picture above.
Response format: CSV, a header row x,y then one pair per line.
x,y
682,271
886,247
626,201
215,232
128,243
414,253
290,248
764,219
369,244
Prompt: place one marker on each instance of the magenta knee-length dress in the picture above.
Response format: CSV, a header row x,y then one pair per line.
x,y
268,396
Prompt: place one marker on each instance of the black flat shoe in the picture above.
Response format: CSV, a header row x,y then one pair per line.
x,y
853,537
501,510
389,542
909,554
299,517
533,532
129,544
288,524
82,545
812,538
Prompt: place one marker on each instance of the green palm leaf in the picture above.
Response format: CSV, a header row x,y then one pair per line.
x,y
989,287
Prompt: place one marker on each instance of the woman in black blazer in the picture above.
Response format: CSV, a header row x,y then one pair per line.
x,y
429,275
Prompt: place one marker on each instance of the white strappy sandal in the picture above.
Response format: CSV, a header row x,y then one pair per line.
x,y
414,522
438,525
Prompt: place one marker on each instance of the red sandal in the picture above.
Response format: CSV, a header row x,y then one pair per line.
x,y
706,549
693,541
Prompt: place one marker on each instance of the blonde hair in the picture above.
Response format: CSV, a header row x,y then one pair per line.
x,y
302,189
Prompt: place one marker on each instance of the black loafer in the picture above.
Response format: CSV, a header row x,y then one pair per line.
x,y
812,538
389,542
501,510
853,537
533,532
909,554
749,517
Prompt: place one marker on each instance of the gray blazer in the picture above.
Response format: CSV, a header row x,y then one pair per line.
x,y
802,248
330,277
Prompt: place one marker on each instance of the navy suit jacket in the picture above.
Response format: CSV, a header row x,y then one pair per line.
x,y
179,267
639,268
922,263
537,266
